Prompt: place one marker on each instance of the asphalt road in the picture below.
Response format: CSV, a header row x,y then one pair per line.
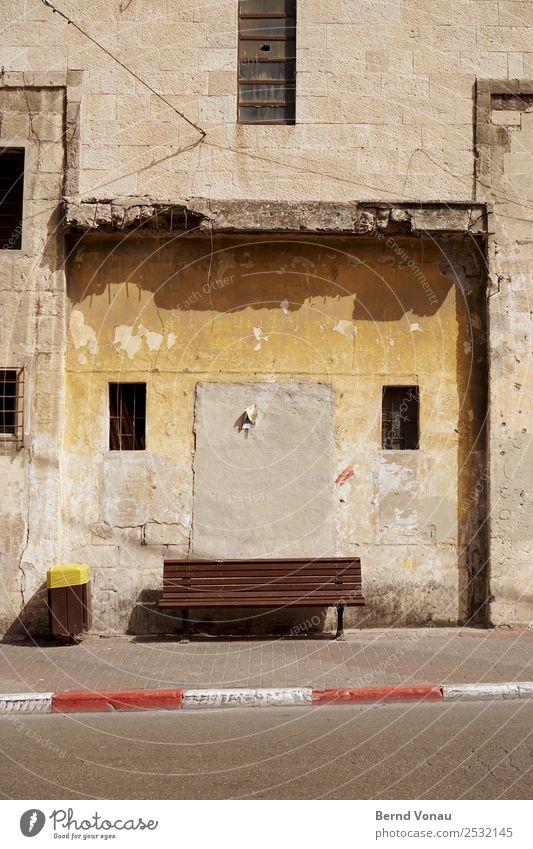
x,y
480,750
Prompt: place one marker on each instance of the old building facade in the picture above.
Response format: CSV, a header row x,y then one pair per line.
x,y
320,208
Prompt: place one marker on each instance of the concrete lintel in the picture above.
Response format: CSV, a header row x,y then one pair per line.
x,y
152,217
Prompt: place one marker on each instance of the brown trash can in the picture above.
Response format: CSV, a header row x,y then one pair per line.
x,y
69,599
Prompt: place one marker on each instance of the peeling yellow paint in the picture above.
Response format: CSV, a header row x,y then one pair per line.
x,y
127,340
153,308
153,339
83,335
345,328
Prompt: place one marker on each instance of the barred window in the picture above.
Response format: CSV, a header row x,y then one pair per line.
x,y
12,404
11,198
127,416
267,61
400,418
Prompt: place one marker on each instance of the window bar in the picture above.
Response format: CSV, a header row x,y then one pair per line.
x,y
286,61
12,389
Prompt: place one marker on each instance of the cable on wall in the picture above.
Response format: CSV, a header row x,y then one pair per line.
x,y
122,65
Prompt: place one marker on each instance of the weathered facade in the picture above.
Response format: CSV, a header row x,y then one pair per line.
x,y
383,239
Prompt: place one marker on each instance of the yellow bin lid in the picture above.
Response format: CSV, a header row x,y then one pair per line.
x,y
67,575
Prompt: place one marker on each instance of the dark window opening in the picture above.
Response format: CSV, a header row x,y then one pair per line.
x,y
11,404
267,62
11,198
400,418
127,416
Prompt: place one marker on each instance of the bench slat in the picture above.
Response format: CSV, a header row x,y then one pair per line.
x,y
222,574
297,569
312,601
262,583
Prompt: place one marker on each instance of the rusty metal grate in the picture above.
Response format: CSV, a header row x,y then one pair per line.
x,y
12,405
127,416
267,62
400,430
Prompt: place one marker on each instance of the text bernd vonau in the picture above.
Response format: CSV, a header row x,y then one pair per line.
x,y
415,815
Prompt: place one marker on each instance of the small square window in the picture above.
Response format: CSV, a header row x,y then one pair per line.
x,y
11,404
400,418
127,416
11,198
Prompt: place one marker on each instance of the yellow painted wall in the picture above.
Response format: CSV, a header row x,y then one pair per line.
x,y
354,313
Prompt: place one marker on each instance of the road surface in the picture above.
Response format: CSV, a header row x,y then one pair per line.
x,y
480,750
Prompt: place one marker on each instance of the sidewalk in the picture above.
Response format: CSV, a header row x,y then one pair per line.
x,y
370,658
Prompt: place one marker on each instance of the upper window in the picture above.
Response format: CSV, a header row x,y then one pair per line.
x,y
11,404
267,61
11,198
400,417
127,416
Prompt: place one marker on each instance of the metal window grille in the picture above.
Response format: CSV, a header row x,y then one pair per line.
x,y
12,405
267,62
11,198
400,428
127,416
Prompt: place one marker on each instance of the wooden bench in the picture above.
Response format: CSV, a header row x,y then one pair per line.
x,y
275,583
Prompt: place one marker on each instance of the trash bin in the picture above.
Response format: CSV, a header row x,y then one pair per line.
x,y
69,599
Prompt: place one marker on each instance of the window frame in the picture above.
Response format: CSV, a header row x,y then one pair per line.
x,y
285,81
408,389
17,437
21,147
118,418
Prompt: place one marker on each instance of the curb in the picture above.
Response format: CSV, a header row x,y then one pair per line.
x,y
181,699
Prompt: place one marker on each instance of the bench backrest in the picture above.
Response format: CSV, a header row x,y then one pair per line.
x,y
268,583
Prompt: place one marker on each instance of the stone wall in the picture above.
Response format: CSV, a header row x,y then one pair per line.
x,y
406,100
385,95
32,302
505,128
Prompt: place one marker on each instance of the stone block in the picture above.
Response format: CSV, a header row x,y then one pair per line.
x,y
14,58
181,34
484,63
311,36
51,157
318,110
368,110
222,83
392,61
133,108
452,85
99,158
217,110
217,59
314,11
504,38
514,13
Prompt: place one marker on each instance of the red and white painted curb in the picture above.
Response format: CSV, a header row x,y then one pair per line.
x,y
182,699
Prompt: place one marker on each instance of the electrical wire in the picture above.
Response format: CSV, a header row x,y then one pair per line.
x,y
61,14
293,166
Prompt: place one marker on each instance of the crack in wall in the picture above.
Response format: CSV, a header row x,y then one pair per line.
x,y
27,531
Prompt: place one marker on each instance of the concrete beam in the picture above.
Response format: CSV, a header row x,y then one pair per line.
x,y
149,217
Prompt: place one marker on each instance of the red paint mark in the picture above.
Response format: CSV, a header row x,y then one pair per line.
x,y
126,700
345,475
417,692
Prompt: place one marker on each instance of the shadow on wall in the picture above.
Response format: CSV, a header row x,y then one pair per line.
x,y
231,274
33,618
472,456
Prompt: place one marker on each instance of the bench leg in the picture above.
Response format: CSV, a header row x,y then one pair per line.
x,y
340,622
186,634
